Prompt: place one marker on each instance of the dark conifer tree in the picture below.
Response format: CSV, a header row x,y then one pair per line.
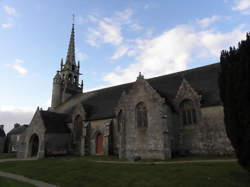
x,y
234,84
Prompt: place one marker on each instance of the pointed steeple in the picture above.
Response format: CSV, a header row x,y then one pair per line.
x,y
66,81
70,59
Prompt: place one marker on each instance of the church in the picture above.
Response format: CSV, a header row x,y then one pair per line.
x,y
178,114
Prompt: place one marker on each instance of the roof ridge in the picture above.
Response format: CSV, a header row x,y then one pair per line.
x,y
171,74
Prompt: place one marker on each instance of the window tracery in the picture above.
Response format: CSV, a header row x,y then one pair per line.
x,y
188,112
141,115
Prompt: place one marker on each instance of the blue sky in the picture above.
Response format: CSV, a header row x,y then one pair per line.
x,y
115,40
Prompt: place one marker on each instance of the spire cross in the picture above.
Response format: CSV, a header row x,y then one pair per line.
x,y
73,18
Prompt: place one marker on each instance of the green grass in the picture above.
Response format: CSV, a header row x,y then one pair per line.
x,y
83,171
4,182
7,155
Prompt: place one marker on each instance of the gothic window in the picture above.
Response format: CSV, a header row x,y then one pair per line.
x,y
75,79
70,77
78,124
119,121
188,112
141,115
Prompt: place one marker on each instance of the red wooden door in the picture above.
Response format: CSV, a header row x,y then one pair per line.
x,y
99,145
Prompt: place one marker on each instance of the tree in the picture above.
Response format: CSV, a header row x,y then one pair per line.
x,y
234,84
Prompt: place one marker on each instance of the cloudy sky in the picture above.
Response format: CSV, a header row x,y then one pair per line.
x,y
115,39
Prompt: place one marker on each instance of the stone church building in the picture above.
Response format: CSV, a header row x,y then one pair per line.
x,y
173,115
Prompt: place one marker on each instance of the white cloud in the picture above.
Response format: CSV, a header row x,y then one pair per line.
x,y
11,108
135,27
10,10
9,115
108,30
150,5
121,51
173,51
205,22
243,6
18,67
81,56
7,25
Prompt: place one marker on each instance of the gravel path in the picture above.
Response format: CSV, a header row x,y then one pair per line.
x,y
25,179
169,162
22,178
16,159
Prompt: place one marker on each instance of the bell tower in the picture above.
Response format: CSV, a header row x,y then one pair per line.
x,y
66,81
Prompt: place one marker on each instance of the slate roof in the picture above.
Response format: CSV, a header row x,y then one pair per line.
x,y
55,122
17,130
2,133
100,104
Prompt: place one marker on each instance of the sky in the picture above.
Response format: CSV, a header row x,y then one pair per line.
x,y
115,40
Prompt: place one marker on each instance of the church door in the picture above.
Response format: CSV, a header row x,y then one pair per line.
x,y
99,144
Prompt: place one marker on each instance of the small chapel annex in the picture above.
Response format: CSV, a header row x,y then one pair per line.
x,y
173,115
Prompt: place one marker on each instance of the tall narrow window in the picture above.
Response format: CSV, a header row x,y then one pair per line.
x,y
194,115
141,115
70,78
188,112
119,121
184,118
78,124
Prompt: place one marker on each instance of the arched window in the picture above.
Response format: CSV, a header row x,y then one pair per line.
x,y
78,124
188,112
141,115
119,121
75,79
70,78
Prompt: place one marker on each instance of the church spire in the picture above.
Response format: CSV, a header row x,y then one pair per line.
x,y
71,50
66,82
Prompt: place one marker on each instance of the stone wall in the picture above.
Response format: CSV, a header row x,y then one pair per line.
x,y
208,136
57,144
13,142
214,140
36,127
148,142
104,128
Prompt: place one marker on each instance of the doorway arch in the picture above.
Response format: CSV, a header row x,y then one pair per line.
x,y
34,145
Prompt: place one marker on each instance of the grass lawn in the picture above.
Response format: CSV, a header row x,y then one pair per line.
x,y
7,155
83,171
4,182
